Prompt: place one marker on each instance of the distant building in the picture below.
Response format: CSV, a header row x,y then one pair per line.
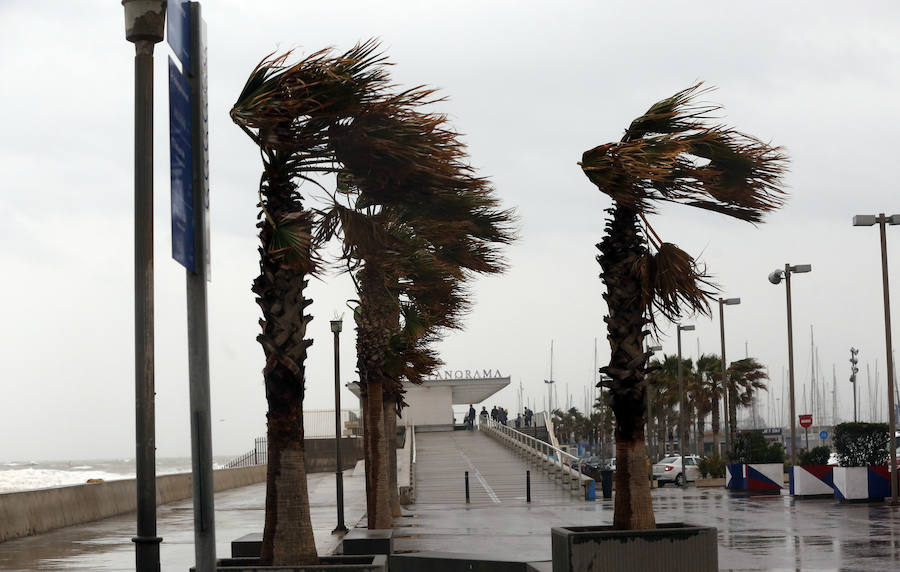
x,y
431,403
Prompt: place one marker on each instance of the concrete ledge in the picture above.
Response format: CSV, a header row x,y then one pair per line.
x,y
713,482
365,541
31,512
454,562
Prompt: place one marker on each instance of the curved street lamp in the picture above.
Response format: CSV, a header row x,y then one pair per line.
x,y
775,278
881,220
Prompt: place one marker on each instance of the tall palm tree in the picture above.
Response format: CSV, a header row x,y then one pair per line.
x,y
416,227
709,366
669,154
705,397
745,376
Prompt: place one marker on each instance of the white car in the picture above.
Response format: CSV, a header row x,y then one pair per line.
x,y
668,470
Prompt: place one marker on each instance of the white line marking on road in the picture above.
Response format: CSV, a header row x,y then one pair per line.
x,y
487,488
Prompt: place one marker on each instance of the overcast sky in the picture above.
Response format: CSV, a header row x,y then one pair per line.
x,y
532,85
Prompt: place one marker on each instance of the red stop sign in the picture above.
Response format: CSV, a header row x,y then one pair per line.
x,y
806,421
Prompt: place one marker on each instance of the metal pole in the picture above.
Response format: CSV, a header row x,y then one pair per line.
x,y
198,333
790,326
890,357
467,487
527,486
724,372
338,470
681,440
146,541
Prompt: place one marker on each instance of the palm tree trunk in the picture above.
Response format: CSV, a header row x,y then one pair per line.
x,y
287,533
379,511
374,324
390,429
620,248
732,412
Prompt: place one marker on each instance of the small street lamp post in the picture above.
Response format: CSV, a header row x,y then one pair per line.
x,y
336,327
775,278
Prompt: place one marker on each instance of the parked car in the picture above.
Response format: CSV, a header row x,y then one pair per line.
x,y
668,470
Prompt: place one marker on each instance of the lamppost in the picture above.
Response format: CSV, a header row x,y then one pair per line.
x,y
682,441
336,326
881,221
649,398
853,371
144,23
722,303
775,278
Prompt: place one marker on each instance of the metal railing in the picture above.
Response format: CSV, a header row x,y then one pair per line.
x,y
258,456
553,458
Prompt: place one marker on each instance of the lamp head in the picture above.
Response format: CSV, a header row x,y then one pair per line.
x,y
337,325
776,276
801,268
685,328
864,220
145,20
731,301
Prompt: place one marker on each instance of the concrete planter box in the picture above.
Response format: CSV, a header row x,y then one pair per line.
x,y
710,482
672,546
370,563
755,477
735,478
862,483
812,480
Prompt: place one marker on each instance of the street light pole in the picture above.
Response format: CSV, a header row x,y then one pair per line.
x,y
775,278
881,220
682,441
722,304
144,23
336,327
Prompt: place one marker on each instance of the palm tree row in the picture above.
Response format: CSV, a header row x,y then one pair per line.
x,y
703,394
415,223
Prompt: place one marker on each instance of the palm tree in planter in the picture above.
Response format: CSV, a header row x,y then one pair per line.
x,y
669,154
416,226
287,111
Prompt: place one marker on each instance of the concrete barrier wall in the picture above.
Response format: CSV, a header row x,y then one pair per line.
x,y
31,512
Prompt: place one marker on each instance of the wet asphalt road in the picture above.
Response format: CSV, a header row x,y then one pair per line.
x,y
762,532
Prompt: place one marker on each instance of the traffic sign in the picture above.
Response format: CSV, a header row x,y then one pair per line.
x,y
806,420
180,154
823,434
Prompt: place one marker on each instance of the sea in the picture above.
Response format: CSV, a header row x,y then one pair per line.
x,y
31,475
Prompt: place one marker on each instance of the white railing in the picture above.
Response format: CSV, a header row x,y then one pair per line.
x,y
553,457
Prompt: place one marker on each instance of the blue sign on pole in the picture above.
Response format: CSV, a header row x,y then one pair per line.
x,y
178,30
181,167
823,434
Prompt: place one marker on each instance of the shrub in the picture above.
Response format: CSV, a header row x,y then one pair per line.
x,y
752,447
861,444
815,456
712,466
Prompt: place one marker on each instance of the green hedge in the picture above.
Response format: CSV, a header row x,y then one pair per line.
x,y
815,456
753,448
861,444
712,466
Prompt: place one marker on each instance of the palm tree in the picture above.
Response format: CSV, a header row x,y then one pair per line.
x,y
286,110
669,154
416,227
710,367
745,376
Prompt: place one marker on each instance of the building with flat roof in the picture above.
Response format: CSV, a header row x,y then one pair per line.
x,y
431,403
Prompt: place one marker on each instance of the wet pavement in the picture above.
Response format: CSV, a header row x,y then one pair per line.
x,y
106,545
756,532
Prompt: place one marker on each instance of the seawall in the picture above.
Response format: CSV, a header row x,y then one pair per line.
x,y
27,513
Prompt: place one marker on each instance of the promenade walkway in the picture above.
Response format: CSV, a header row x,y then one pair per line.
x,y
496,475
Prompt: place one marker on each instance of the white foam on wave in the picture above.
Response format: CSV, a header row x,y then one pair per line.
x,y
31,479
